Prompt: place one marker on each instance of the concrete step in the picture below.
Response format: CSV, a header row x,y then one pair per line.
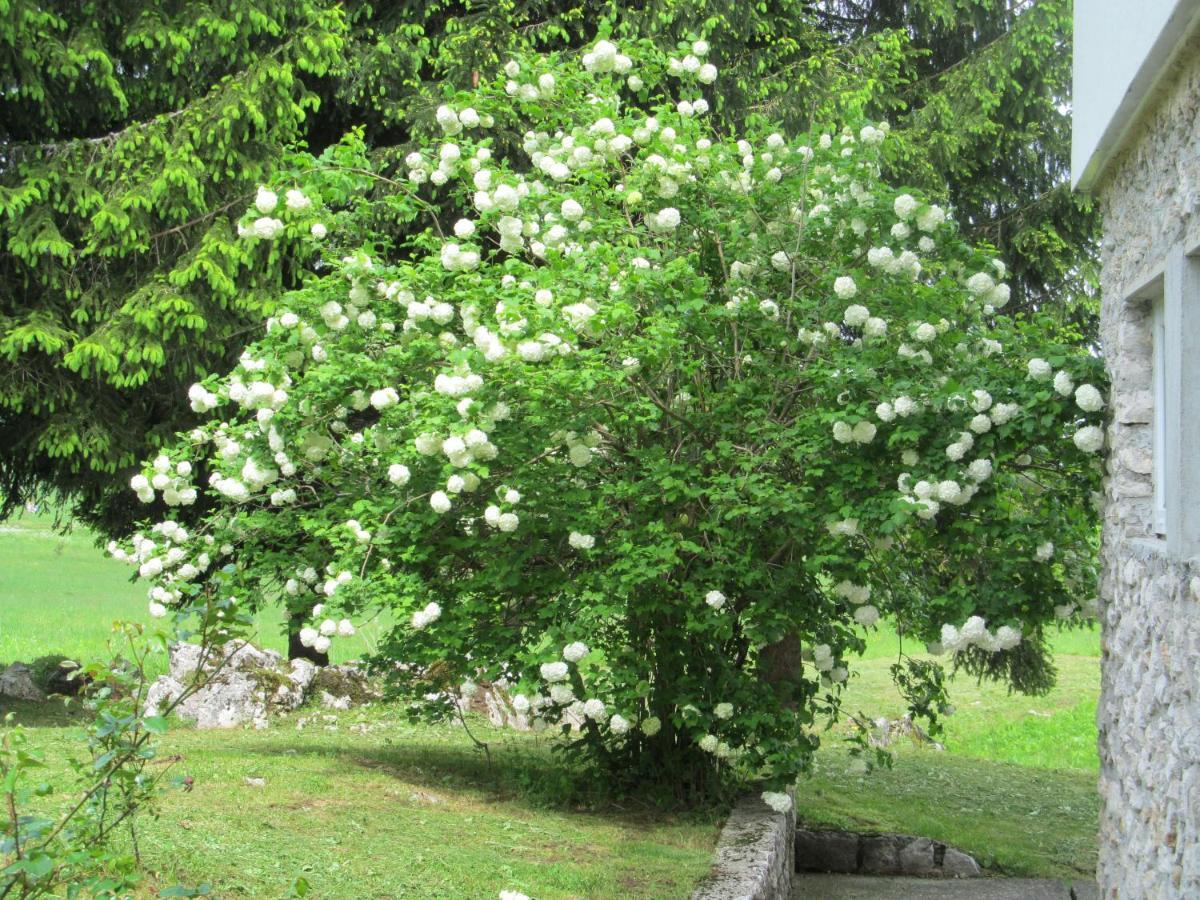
x,y
866,887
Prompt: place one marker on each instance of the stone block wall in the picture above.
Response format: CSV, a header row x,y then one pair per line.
x,y
1149,714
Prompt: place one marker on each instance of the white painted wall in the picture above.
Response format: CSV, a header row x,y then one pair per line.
x,y
1121,46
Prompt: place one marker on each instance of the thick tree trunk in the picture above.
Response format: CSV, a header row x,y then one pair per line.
x,y
781,664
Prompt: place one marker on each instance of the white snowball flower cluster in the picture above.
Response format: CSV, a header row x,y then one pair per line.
x,y
605,57
845,288
1089,439
715,599
1063,383
1088,398
854,593
574,652
974,632
856,315
423,618
1040,370
862,432
581,541
172,479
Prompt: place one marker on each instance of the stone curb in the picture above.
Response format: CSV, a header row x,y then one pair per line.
x,y
848,852
755,856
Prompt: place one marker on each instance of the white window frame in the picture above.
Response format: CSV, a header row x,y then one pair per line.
x,y
1177,466
1162,473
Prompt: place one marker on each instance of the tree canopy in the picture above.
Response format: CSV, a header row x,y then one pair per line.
x,y
132,134
642,420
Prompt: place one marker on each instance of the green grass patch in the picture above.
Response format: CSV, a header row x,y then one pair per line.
x,y
60,593
394,810
397,811
1014,819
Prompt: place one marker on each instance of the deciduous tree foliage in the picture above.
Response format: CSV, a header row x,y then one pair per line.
x,y
646,421
131,133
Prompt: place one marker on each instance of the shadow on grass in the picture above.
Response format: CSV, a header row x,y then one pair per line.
x,y
517,771
50,713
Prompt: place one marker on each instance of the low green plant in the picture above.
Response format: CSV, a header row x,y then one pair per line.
x,y
78,833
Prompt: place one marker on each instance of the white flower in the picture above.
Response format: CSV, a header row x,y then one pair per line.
x,y
777,800
981,424
974,629
318,230
1089,439
1044,551
513,895
707,73
265,200
593,709
980,470
723,710
948,490
708,743
980,283
561,694
866,615
1088,398
863,432
157,610
843,433
666,219
1004,412
651,726
296,200
464,228
554,671
885,412
930,218
925,332
1063,383
715,599
981,401
571,210
345,628
574,652
398,474
905,406
384,397
845,287
440,502
618,724
266,227
905,206
581,541
856,315
322,644
1007,637
1039,369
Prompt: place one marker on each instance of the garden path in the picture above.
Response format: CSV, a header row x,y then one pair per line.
x,y
867,887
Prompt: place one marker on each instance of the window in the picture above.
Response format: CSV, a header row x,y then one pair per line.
x,y
1175,343
1158,337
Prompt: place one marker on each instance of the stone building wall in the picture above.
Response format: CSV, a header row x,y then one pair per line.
x,y
1149,714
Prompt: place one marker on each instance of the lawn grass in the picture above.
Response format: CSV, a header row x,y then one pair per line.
x,y
60,593
395,810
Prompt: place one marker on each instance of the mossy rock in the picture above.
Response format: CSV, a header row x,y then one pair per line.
x,y
52,673
344,681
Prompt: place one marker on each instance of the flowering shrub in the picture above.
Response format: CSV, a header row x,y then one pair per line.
x,y
646,421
